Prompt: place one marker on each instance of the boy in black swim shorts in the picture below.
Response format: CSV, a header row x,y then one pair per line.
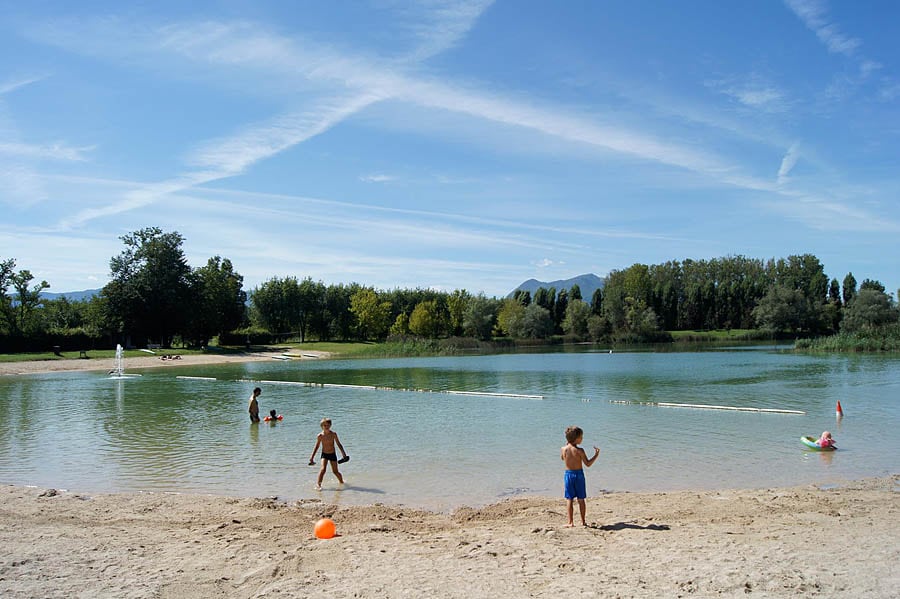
x,y
327,439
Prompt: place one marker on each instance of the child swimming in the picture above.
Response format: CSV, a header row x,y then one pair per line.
x,y
825,440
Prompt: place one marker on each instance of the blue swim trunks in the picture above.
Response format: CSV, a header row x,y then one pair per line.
x,y
575,486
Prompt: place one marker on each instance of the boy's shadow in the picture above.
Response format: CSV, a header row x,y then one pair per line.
x,y
629,525
349,487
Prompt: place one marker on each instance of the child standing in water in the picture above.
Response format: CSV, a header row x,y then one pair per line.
x,y
574,457
327,439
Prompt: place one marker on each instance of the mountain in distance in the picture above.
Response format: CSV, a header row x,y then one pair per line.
x,y
588,283
72,296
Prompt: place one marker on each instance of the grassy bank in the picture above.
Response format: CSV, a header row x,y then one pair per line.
x,y
720,335
884,339
93,354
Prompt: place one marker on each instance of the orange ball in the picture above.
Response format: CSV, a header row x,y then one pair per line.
x,y
325,528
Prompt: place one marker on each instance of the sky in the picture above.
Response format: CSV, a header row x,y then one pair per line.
x,y
450,144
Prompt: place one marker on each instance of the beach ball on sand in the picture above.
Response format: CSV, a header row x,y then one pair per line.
x,y
325,528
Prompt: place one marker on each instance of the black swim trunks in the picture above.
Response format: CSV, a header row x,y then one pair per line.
x,y
329,456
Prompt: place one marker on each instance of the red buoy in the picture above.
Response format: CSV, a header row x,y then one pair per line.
x,y
839,411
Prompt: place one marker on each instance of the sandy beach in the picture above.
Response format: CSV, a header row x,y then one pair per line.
x,y
148,361
783,542
792,542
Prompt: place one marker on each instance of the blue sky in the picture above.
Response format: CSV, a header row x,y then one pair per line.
x,y
454,145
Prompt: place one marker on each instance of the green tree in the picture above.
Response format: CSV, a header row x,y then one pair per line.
x,y
598,327
372,314
428,319
98,319
614,299
641,320
7,269
276,305
559,309
457,303
782,309
509,317
870,309
400,328
849,288
310,305
805,274
220,300
575,292
337,319
62,315
25,321
834,292
597,301
536,323
480,316
522,296
576,321
149,293
542,298
873,285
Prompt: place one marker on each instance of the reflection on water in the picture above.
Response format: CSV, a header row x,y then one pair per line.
x,y
158,432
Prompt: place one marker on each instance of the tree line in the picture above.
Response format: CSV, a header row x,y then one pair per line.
x,y
155,296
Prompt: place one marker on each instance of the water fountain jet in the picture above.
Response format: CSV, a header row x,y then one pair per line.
x,y
118,371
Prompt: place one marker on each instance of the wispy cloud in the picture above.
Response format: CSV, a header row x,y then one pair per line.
x,y
829,214
232,155
245,45
377,178
788,163
814,14
439,25
547,263
20,186
753,92
347,84
15,84
249,48
889,90
56,151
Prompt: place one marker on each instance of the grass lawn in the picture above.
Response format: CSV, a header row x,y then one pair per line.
x,y
715,335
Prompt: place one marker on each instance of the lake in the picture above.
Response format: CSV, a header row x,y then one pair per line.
x,y
413,442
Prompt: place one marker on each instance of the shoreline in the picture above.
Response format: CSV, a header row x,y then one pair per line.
x,y
144,362
780,542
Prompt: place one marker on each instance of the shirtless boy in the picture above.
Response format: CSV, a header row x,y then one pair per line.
x,y
253,406
574,457
327,439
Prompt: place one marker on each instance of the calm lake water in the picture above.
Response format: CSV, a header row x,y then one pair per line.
x,y
87,433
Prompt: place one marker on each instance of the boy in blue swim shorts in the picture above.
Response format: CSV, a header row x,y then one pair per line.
x,y
574,458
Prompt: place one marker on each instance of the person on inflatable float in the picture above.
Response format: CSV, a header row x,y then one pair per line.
x,y
825,440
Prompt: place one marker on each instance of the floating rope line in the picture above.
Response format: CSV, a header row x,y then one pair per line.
x,y
663,404
380,388
196,378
